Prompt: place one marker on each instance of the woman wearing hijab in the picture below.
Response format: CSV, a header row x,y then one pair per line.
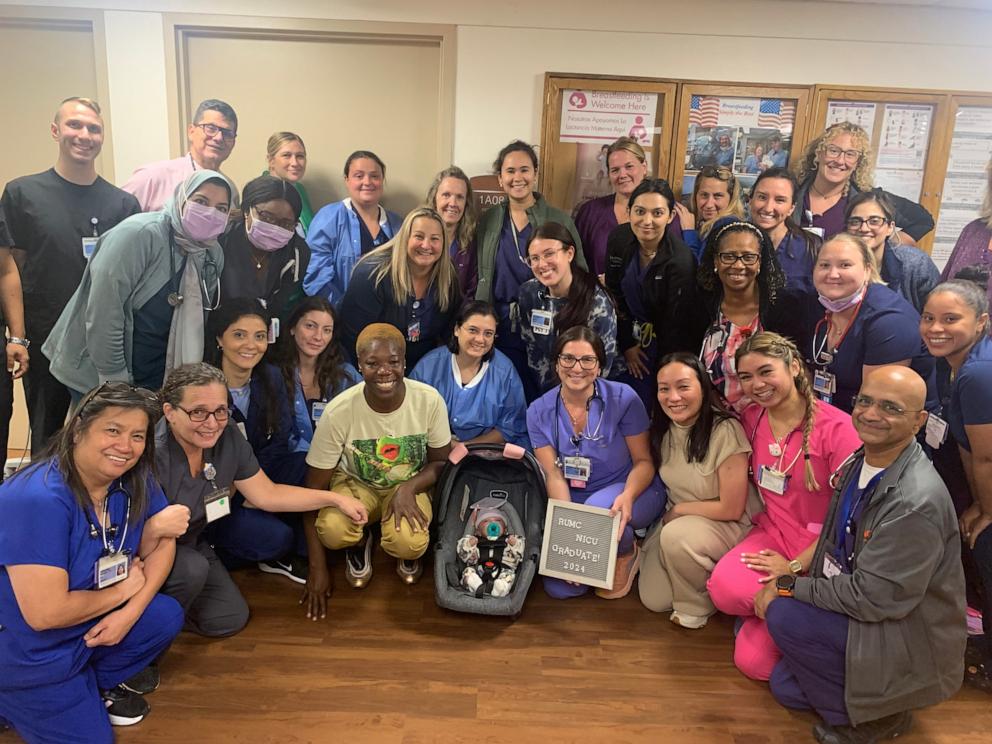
x,y
142,303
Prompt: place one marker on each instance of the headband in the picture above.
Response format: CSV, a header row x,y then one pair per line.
x,y
740,223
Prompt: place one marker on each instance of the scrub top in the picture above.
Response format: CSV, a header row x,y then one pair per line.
x,y
42,524
615,412
831,221
231,457
511,271
967,401
304,418
885,330
797,515
795,259
493,399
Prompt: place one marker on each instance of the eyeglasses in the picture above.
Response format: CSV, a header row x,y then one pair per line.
x,y
585,362
212,130
851,156
116,391
273,220
874,222
547,256
748,259
885,406
199,415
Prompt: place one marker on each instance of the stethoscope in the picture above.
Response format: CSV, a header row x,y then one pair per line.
x,y
108,534
175,298
575,439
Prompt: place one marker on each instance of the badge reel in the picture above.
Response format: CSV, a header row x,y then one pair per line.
x,y
540,322
936,431
218,501
772,479
577,471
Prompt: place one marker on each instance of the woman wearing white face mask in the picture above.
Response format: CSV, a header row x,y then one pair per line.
x,y
264,257
142,303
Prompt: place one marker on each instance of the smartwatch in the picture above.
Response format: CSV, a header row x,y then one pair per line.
x,y
785,585
796,566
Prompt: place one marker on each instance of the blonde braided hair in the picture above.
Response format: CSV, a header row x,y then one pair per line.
x,y
776,346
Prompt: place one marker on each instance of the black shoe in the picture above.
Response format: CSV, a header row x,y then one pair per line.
x,y
124,707
145,681
295,568
358,563
868,732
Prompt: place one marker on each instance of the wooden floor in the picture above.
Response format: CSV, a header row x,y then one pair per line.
x,y
389,666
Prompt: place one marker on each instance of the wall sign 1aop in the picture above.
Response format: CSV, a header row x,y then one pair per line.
x,y
580,544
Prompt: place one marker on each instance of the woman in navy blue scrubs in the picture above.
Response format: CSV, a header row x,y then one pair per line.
x,y
854,323
87,539
955,328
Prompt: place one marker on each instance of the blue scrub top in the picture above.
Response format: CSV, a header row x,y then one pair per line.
x,y
42,524
303,421
886,330
968,400
496,401
797,263
616,412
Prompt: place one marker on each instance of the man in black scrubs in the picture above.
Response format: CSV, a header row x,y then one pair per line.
x,y
54,219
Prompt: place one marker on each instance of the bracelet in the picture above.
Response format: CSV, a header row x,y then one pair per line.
x,y
19,341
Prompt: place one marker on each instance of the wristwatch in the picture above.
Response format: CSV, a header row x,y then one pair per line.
x,y
796,566
785,585
19,341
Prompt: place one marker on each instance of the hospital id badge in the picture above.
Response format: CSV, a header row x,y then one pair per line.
x,y
936,430
831,567
242,428
273,330
413,332
772,479
111,569
540,322
218,504
317,410
577,471
89,245
637,331
824,384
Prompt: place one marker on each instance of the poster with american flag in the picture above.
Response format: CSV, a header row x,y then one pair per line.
x,y
776,113
704,111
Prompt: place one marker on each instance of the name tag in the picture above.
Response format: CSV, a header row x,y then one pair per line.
x,y
577,471
824,383
218,504
241,428
317,410
89,245
413,332
772,479
540,322
831,567
637,331
273,330
936,431
111,569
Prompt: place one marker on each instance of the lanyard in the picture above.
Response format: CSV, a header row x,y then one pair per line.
x,y
846,527
577,438
784,447
108,543
820,355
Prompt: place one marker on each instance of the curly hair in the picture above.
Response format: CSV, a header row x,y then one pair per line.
x,y
770,277
862,175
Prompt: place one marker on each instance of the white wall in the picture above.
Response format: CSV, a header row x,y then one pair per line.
x,y
504,49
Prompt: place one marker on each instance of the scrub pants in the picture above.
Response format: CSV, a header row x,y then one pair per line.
x,y
72,711
678,560
337,531
811,673
247,535
647,508
212,602
47,401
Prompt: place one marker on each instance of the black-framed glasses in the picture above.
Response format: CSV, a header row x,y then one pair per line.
x,y
874,222
199,415
212,130
273,220
885,406
748,259
585,362
851,156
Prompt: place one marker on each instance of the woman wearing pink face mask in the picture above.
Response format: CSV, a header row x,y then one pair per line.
x,y
143,300
264,257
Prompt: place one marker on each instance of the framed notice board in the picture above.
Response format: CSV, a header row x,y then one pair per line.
x,y
745,128
585,114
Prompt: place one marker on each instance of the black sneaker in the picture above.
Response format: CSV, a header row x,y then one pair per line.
x,y
358,563
295,568
124,707
145,681
868,732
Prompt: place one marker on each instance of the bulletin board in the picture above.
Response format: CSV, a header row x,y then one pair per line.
x,y
583,115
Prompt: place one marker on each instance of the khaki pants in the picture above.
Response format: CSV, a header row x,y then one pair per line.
x,y
337,531
678,559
